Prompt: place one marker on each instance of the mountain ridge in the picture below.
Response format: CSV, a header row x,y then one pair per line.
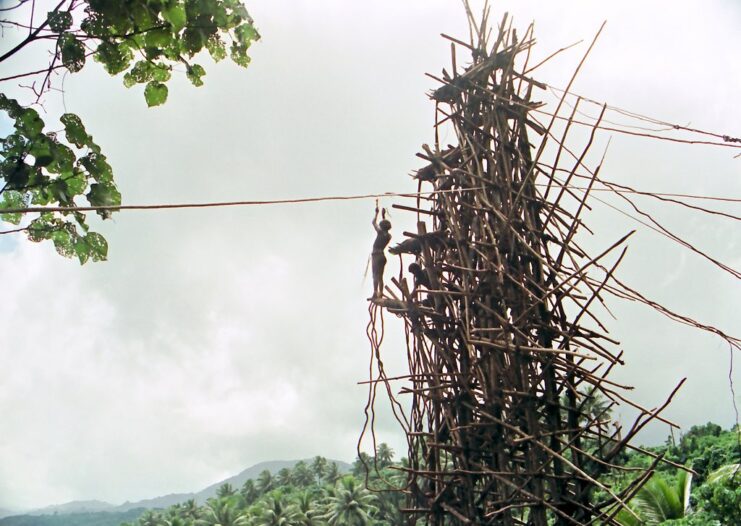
x,y
75,506
164,501
5,512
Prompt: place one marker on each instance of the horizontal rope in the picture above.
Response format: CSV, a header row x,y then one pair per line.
x,y
217,204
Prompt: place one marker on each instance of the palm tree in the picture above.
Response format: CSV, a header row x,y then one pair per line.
x,y
594,406
319,467
362,464
176,521
189,510
277,512
284,477
724,474
152,518
249,492
384,455
332,473
225,490
307,510
302,475
352,505
720,496
389,491
222,512
265,482
174,516
658,501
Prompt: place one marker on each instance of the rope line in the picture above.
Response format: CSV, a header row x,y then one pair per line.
x,y
668,126
220,204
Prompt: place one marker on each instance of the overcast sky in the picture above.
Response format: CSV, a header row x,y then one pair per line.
x,y
215,339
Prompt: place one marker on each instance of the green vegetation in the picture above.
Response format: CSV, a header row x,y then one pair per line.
x,y
309,494
142,39
659,501
100,518
313,494
711,496
316,494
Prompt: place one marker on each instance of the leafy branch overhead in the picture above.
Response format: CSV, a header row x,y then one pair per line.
x,y
145,40
38,169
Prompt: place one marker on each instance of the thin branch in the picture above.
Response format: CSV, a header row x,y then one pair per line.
x,y
19,4
31,37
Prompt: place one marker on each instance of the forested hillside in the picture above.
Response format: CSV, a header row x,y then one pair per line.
x,y
100,518
309,494
316,493
709,495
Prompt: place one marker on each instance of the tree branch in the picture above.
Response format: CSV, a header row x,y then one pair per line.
x,y
19,4
39,71
31,37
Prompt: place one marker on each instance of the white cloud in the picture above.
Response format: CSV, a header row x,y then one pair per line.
x,y
215,339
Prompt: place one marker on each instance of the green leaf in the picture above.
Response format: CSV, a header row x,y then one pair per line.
x,y
176,16
41,149
155,93
75,130
724,473
246,33
36,178
153,53
220,16
29,123
14,146
82,249
59,191
43,161
161,73
239,54
146,71
73,52
139,74
80,219
76,183
41,197
141,13
104,195
64,159
194,74
62,239
657,501
158,38
17,173
114,57
95,163
59,21
12,199
240,11
193,40
10,105
626,518
95,26
40,228
216,48
98,246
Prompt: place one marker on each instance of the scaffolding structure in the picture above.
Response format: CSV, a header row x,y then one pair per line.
x,y
508,361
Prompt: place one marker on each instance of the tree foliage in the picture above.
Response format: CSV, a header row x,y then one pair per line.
x,y
720,496
297,497
659,501
715,497
99,518
145,41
